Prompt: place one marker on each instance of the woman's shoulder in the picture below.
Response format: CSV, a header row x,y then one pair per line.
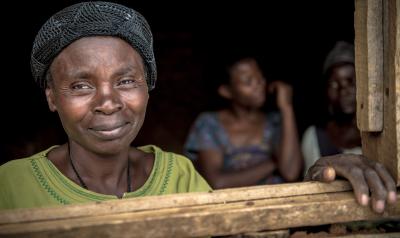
x,y
206,122
22,169
207,117
17,165
168,163
175,172
310,131
166,156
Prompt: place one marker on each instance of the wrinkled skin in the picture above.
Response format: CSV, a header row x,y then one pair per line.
x,y
369,179
100,93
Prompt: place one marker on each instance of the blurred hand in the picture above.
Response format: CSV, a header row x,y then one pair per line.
x,y
366,176
283,94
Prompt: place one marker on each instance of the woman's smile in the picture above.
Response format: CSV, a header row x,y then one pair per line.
x,y
110,131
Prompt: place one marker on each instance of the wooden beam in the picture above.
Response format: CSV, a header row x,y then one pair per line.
x,y
369,62
379,235
222,196
382,146
351,235
267,234
201,219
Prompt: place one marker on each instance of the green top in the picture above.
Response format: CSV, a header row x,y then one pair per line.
x,y
36,182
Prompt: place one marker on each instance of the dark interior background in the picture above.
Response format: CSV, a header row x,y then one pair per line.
x,y
193,40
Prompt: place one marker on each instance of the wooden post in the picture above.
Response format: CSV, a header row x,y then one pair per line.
x,y
369,64
378,80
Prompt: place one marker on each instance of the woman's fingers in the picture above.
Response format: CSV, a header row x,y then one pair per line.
x,y
329,174
366,176
322,173
356,177
378,190
387,181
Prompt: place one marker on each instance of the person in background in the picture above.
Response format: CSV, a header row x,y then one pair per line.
x,y
241,145
339,133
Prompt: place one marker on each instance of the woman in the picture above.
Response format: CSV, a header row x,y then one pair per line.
x,y
241,145
339,133
96,63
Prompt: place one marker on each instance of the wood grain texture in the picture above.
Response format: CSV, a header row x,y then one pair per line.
x,y
380,235
369,62
385,146
396,82
222,196
212,219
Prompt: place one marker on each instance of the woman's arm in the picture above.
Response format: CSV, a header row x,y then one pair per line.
x,y
289,155
211,164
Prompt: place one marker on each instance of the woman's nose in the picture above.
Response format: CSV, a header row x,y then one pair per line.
x,y
259,86
107,101
347,90
260,82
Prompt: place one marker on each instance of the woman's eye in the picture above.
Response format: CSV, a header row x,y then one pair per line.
x,y
79,86
246,80
333,85
249,81
126,82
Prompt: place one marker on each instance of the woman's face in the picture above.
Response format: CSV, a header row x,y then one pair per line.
x,y
342,89
100,92
247,84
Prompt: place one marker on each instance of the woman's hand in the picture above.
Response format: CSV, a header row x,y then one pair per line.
x,y
283,94
365,176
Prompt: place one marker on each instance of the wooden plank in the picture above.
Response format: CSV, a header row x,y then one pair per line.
x,y
380,235
385,146
213,219
395,80
369,62
360,235
168,201
267,234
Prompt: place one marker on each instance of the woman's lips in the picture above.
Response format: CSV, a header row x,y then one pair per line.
x,y
109,132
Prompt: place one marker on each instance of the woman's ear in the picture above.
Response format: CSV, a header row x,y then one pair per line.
x,y
224,91
50,99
